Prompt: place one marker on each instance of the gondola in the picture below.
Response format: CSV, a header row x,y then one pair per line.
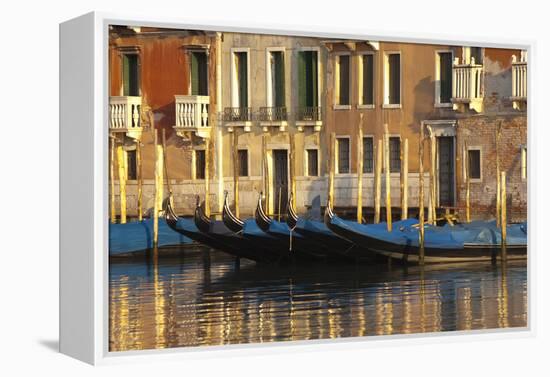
x,y
320,234
478,241
136,237
303,247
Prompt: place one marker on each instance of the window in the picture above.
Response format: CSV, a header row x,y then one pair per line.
x,y
312,162
474,163
199,73
131,165
444,77
243,162
240,79
523,163
276,79
343,76
343,155
477,54
368,155
130,75
392,84
200,164
307,79
395,154
367,90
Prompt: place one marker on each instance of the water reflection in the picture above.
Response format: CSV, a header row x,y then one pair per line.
x,y
205,298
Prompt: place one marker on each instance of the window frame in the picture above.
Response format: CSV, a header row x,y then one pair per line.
x,y
467,161
386,70
194,163
306,161
130,50
204,51
269,84
127,153
360,79
395,136
437,78
317,49
337,105
337,151
247,162
233,75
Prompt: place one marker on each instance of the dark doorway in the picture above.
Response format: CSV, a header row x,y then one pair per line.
x,y
446,171
280,181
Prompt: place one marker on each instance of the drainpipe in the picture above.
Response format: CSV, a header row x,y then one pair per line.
x,y
219,134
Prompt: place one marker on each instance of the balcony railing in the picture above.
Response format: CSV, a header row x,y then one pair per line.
x,y
125,115
192,115
237,117
519,82
309,116
273,116
467,85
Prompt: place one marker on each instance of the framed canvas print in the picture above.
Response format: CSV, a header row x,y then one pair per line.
x,y
229,187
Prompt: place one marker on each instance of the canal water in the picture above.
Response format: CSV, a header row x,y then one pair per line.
x,y
204,298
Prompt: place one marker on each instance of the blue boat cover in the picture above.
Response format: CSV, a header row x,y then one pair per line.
x,y
138,236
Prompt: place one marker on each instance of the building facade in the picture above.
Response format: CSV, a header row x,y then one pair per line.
x,y
258,110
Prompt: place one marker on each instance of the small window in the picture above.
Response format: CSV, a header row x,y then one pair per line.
x,y
477,54
474,163
523,163
199,73
243,163
130,75
343,79
200,164
240,79
312,162
367,94
395,154
445,76
368,155
131,165
343,155
393,79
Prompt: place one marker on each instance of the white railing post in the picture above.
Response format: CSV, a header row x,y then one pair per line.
x,y
192,112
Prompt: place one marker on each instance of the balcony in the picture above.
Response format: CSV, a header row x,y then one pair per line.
x,y
237,117
467,86
273,117
125,116
192,116
309,116
519,82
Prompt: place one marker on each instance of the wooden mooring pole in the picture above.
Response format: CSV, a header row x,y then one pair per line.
x,y
433,198
121,161
158,168
360,171
112,180
405,180
378,181
267,194
467,172
388,177
292,165
139,181
497,142
421,195
207,177
236,168
503,221
331,167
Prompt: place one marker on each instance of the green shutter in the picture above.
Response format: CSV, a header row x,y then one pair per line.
x,y
130,75
445,77
313,77
302,79
279,79
125,75
344,80
243,78
368,80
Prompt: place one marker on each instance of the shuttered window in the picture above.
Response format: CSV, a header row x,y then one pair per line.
x,y
445,76
307,79
343,155
395,154
199,73
200,164
312,163
131,165
368,155
368,80
243,162
130,75
241,74
474,163
394,79
343,77
277,78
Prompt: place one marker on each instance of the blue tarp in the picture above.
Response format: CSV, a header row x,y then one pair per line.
x,y
138,236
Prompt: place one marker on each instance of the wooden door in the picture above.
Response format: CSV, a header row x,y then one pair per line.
x,y
446,170
280,181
